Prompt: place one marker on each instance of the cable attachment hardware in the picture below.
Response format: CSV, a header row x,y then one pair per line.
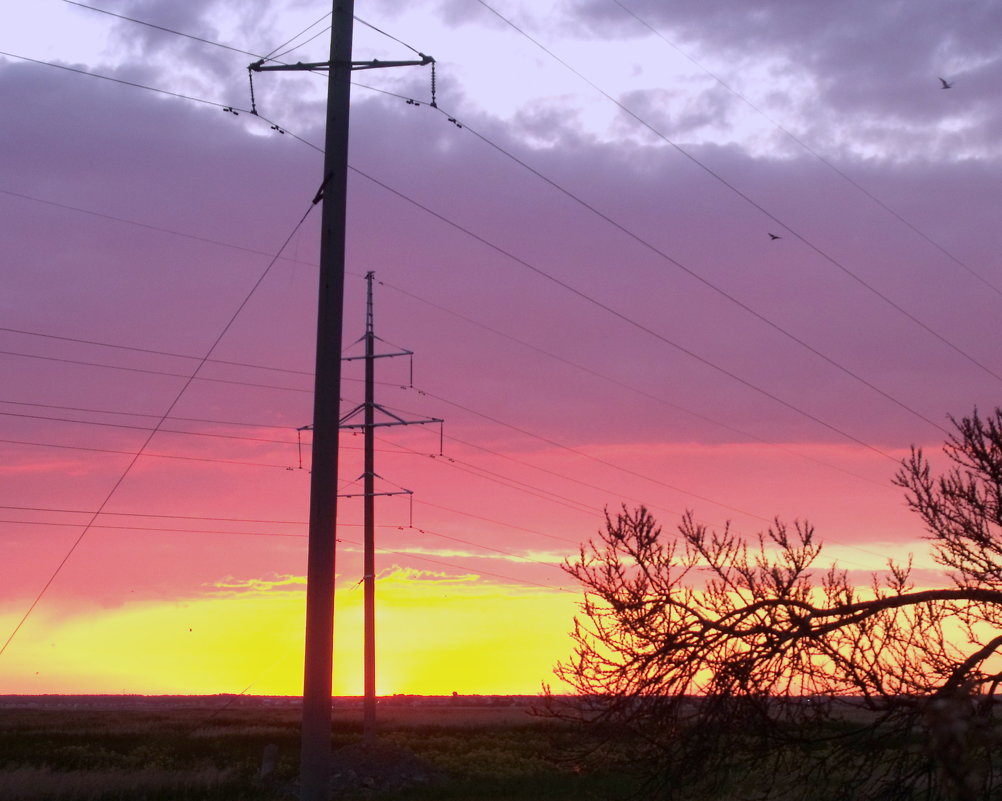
x,y
455,122
250,78
231,110
434,103
320,192
276,128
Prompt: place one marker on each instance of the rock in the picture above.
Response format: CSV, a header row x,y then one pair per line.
x,y
377,767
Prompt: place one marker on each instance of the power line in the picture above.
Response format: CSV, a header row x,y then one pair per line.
x,y
148,226
155,352
616,313
160,529
468,468
641,240
529,488
769,521
387,35
507,481
670,486
590,457
317,35
504,481
563,284
571,479
145,453
119,413
458,464
689,271
566,286
137,454
455,464
193,518
103,344
582,295
467,319
501,551
407,554
801,143
232,109
513,483
535,489
148,371
619,383
271,56
513,527
164,29
201,518
122,81
150,351
91,410
161,430
708,283
724,182
89,73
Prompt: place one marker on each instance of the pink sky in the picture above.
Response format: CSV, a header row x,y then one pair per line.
x,y
557,323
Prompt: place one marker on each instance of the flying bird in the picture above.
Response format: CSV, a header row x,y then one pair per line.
x,y
946,84
774,236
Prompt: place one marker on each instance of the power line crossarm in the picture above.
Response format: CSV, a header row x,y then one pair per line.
x,y
299,66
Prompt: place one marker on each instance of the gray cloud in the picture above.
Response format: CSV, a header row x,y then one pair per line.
x,y
175,160
871,67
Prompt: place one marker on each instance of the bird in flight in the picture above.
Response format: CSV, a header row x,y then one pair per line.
x,y
774,236
946,84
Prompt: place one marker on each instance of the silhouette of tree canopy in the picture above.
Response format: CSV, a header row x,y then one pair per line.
x,y
735,669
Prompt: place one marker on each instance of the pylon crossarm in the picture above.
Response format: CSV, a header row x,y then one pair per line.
x,y
376,355
395,419
299,66
379,408
351,414
376,63
387,424
402,421
376,494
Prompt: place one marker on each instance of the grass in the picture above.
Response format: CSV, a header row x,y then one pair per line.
x,y
42,784
201,754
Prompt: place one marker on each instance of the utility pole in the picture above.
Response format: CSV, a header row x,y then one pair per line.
x,y
369,540
318,663
388,418
315,755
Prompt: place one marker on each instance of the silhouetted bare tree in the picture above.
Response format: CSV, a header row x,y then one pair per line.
x,y
742,670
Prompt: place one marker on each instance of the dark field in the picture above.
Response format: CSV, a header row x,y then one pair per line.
x,y
186,749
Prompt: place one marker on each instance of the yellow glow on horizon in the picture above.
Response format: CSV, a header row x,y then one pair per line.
x,y
471,638
435,635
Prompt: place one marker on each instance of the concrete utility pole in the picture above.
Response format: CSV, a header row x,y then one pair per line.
x,y
318,667
315,756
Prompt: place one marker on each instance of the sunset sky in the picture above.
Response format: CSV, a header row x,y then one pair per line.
x,y
576,246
